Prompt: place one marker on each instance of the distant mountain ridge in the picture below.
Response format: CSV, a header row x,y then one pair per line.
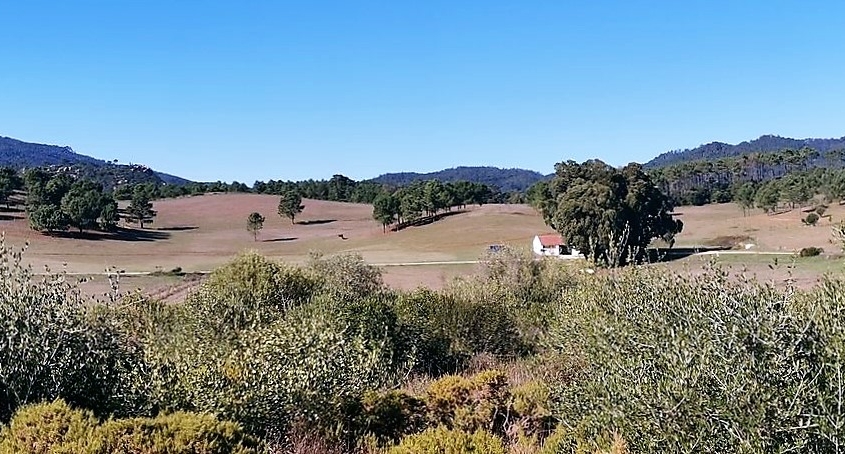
x,y
506,180
763,144
19,155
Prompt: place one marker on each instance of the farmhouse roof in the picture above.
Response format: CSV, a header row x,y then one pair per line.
x,y
551,239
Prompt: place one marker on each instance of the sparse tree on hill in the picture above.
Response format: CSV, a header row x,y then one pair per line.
x,y
385,209
254,224
290,205
140,209
745,197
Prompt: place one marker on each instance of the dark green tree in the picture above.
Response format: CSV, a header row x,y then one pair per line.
x,y
47,218
254,224
9,181
745,197
290,205
385,209
767,197
140,209
610,215
83,204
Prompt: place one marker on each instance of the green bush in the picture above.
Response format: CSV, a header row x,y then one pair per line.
x,y
390,415
703,365
51,428
445,441
177,433
811,251
56,428
470,404
250,291
345,277
54,345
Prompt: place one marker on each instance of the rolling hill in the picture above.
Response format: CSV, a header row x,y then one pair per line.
x,y
763,144
19,155
506,180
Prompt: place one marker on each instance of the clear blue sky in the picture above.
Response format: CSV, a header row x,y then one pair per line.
x,y
246,90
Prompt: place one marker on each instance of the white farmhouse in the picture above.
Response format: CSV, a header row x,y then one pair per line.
x,y
553,244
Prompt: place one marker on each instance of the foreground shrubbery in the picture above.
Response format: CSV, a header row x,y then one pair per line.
x,y
57,428
527,357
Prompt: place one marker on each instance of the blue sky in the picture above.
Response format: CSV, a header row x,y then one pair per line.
x,y
252,90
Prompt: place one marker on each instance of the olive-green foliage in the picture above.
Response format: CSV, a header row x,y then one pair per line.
x,y
704,365
306,368
532,410
54,428
49,428
482,402
53,345
176,433
249,291
345,277
445,441
391,415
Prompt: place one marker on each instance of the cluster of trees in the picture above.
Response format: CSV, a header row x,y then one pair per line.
x,y
425,199
57,202
611,215
718,181
338,188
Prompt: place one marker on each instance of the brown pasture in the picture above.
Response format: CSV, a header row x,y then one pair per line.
x,y
200,233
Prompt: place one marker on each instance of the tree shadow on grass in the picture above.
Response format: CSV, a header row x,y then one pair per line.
x,y
426,220
178,228
276,240
657,255
120,234
7,217
316,221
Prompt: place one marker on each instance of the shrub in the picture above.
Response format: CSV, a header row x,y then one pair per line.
x,y
811,219
345,276
186,433
56,428
52,428
390,415
470,404
811,251
445,441
53,344
701,365
249,291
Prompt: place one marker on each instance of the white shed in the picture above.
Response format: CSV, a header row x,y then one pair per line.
x,y
553,244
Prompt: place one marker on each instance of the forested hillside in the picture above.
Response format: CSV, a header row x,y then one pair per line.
x,y
763,144
505,180
20,155
800,173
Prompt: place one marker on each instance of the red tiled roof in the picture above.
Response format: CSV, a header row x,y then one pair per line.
x,y
551,239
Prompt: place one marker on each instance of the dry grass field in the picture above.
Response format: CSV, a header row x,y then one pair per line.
x,y
200,233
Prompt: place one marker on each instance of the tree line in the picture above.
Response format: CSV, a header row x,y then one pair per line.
x,y
425,199
720,180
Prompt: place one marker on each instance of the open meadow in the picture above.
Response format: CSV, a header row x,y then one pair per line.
x,y
198,234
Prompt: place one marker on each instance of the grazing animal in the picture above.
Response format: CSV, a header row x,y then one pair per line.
x,y
341,236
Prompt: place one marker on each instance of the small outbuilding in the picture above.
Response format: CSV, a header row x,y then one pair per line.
x,y
553,244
